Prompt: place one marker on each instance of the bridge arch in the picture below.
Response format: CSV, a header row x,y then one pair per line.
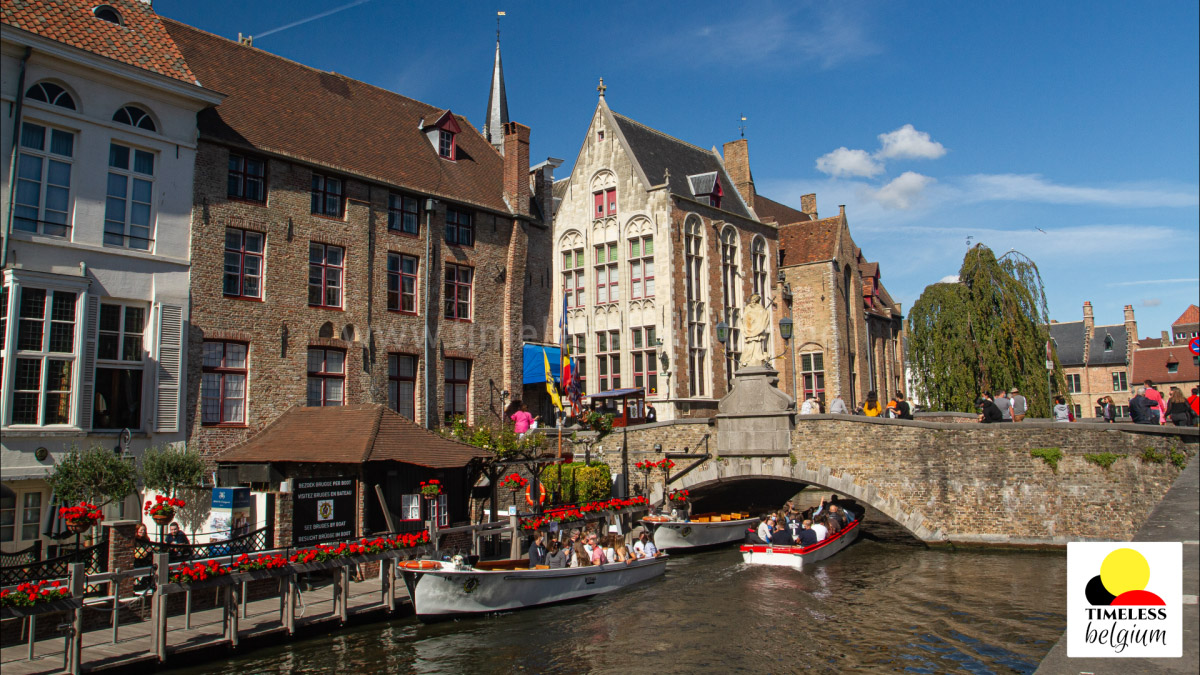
x,y
727,470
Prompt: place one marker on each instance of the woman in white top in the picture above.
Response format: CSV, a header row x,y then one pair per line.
x,y
820,529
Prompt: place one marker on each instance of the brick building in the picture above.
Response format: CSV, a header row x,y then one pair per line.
x,y
1096,360
1187,327
1167,360
352,246
100,125
654,246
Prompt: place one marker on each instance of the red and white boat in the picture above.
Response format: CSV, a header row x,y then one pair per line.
x,y
798,556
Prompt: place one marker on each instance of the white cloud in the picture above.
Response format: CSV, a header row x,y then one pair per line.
x,y
1151,302
1034,188
904,192
1153,282
846,162
949,279
908,143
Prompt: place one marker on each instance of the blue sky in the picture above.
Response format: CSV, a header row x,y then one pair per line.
x,y
1065,130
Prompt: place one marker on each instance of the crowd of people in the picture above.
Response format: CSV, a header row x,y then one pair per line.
x,y
1148,406
586,547
897,408
790,527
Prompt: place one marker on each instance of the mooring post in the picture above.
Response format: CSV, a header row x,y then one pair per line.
x,y
235,596
514,522
289,616
162,575
385,582
344,593
77,584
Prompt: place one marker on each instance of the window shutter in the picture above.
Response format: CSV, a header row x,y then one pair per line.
x,y
170,358
88,386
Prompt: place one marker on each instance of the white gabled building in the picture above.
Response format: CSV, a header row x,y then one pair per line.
x,y
99,141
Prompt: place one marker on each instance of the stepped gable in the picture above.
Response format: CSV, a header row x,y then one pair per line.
x,y
140,41
657,153
282,107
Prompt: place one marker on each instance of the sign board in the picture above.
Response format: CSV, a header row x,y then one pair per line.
x,y
230,512
324,509
1194,345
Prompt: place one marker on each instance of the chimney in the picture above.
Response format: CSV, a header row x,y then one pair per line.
x,y
1166,339
737,163
516,167
1089,323
541,180
842,211
808,204
1131,334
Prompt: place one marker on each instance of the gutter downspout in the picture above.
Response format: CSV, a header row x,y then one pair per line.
x,y
430,388
12,159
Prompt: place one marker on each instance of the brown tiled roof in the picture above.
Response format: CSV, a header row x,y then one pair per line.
x,y
869,270
771,210
141,41
1190,315
283,107
1151,364
809,242
351,434
1149,342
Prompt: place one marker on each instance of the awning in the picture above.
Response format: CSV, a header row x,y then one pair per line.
x,y
535,363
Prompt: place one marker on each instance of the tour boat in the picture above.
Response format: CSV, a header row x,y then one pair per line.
x,y
449,590
798,556
700,531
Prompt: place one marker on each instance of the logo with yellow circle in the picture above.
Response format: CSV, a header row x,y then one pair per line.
x,y
1122,581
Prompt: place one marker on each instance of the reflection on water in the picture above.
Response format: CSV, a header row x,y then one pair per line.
x,y
877,607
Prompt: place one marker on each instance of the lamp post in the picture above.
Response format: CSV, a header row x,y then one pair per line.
x,y
785,332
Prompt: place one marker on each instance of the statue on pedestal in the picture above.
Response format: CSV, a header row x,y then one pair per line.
x,y
756,324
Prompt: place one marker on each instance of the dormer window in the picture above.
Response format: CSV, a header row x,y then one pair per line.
x,y
443,136
107,13
1108,343
706,188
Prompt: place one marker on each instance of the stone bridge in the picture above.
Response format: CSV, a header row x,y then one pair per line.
x,y
946,482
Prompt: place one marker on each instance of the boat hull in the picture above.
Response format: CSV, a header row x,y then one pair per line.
x,y
798,556
675,534
451,593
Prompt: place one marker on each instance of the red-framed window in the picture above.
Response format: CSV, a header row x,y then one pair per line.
x,y
326,265
605,202
608,280
402,384
326,376
457,387
641,267
327,196
812,373
458,291
574,278
608,359
446,143
243,263
225,371
402,283
460,227
644,343
579,353
247,178
404,214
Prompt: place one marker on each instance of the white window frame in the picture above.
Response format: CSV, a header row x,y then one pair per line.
x,y
46,156
19,511
410,507
130,174
443,510
12,354
121,363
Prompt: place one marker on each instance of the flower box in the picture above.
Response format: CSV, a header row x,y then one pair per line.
x,y
214,582
302,568
63,605
259,575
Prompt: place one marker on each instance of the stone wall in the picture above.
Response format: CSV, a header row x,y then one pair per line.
x,y
953,482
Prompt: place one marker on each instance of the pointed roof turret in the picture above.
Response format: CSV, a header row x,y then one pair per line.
x,y
497,111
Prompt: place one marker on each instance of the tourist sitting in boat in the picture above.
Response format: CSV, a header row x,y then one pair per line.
x,y
645,548
818,526
782,536
610,545
579,555
537,550
556,558
622,553
598,557
808,536
766,528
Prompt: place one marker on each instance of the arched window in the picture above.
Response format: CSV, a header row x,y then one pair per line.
x,y
758,262
641,266
574,271
731,295
48,92
135,117
108,13
693,272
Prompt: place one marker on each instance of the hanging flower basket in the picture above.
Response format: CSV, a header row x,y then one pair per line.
x,y
431,489
162,509
80,517
678,498
514,482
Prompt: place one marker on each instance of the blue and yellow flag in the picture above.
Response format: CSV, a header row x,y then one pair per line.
x,y
550,388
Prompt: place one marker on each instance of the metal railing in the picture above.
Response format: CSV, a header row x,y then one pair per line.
x,y
95,559
22,557
251,542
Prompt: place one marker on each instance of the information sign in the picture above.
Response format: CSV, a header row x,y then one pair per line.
x,y
324,509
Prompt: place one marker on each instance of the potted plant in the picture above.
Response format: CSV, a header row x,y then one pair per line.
x,y
678,500
514,482
81,517
162,509
431,489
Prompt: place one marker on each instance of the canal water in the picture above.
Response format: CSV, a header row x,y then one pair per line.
x,y
883,605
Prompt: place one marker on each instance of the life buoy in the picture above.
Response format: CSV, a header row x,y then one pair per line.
x,y
420,565
541,493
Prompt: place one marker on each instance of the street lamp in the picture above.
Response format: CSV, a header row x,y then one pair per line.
x,y
722,332
785,331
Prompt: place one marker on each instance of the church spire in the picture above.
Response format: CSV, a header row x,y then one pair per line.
x,y
497,111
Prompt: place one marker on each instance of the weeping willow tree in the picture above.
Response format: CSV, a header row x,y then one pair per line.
x,y
985,332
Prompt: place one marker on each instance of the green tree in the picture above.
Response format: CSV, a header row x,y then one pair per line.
x,y
95,475
985,332
168,470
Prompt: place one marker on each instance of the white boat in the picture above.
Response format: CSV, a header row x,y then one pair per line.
x,y
679,534
798,556
446,590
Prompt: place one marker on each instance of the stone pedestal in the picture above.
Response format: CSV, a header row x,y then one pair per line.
x,y
755,417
